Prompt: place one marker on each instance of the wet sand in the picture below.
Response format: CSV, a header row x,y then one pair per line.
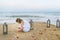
x,y
39,32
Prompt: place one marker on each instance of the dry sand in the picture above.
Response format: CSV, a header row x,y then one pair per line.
x,y
39,32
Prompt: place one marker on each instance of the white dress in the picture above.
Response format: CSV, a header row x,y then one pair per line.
x,y
26,26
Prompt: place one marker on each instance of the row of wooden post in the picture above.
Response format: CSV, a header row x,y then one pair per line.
x,y
49,22
5,26
57,23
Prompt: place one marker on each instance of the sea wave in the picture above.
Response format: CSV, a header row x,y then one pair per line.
x,y
39,17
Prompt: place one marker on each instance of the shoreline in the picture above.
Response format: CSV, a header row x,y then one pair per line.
x,y
11,21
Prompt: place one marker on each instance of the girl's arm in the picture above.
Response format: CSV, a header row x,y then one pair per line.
x,y
22,25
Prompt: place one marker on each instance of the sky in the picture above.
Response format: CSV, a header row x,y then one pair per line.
x,y
29,4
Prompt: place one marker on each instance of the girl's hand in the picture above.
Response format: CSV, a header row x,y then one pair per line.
x,y
19,28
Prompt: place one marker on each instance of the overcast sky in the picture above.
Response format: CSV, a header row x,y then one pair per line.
x,y
29,4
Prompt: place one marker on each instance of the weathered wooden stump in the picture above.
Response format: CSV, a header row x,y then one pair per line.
x,y
31,21
5,28
48,23
58,23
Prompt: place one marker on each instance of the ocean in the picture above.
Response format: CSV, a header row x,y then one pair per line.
x,y
10,17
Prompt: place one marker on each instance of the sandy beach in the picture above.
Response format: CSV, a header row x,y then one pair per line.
x,y
39,32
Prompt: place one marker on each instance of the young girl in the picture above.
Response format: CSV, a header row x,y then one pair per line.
x,y
24,25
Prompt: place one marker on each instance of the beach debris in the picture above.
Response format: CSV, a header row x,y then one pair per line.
x,y
48,23
57,35
40,33
17,37
54,30
58,23
5,28
34,37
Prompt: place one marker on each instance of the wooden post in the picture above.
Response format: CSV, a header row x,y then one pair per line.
x,y
5,28
31,23
48,23
57,23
